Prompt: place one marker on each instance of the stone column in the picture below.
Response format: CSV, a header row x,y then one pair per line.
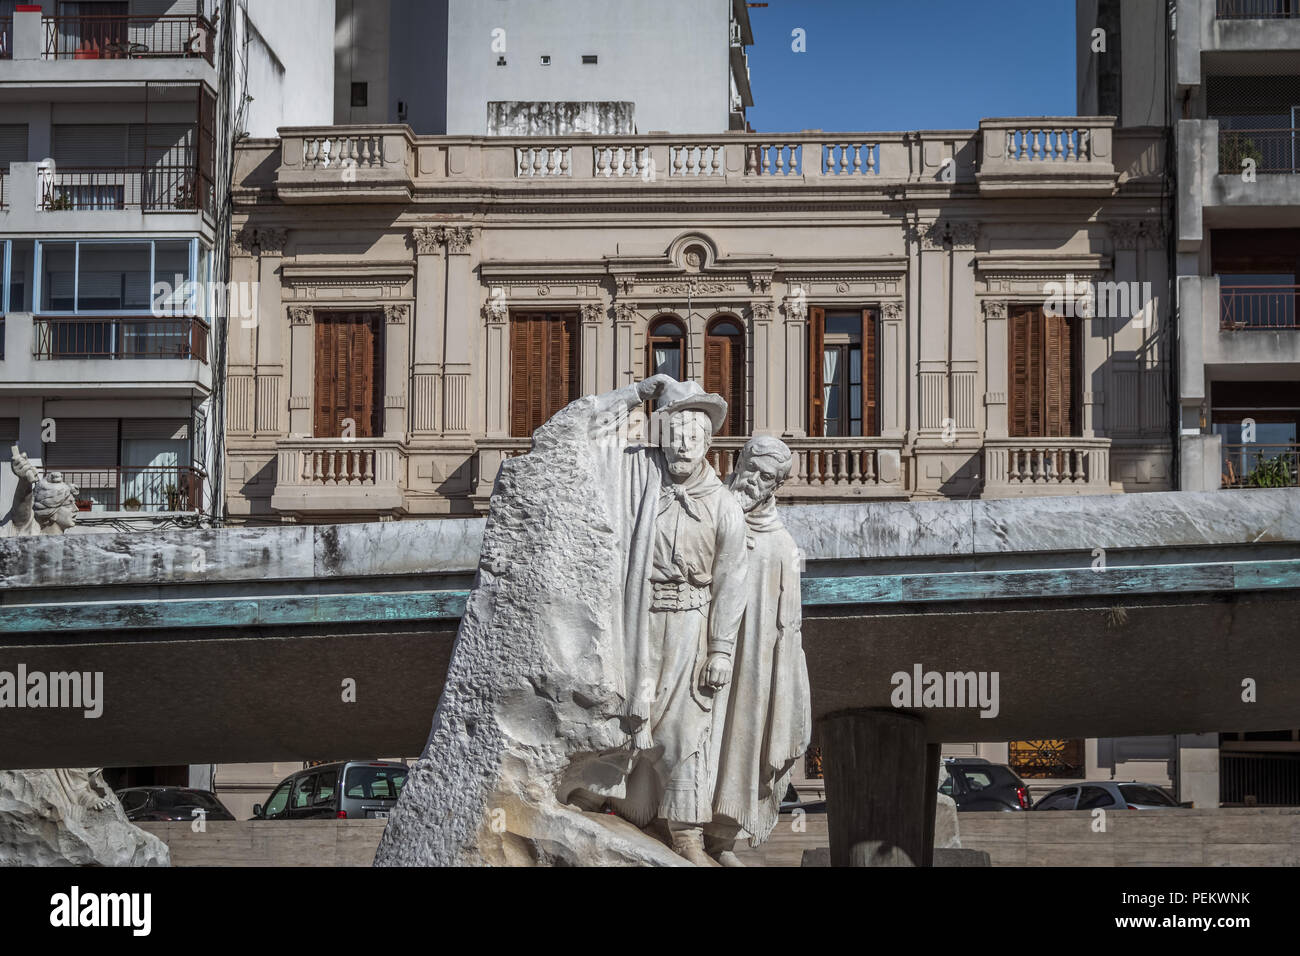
x,y
464,410
302,384
996,373
425,402
397,363
272,409
763,388
795,423
878,767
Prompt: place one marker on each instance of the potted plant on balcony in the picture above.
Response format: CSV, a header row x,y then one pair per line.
x,y
1233,151
173,498
58,202
131,504
1271,473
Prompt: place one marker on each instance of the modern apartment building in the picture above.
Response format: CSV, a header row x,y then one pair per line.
x,y
519,67
1225,76
116,121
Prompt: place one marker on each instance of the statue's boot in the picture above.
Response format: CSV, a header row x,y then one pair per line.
x,y
722,850
688,843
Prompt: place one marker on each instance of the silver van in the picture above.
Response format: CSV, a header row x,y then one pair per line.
x,y
348,790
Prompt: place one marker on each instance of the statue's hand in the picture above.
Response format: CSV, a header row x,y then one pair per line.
x,y
717,671
652,387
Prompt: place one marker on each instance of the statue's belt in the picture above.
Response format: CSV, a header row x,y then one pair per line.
x,y
678,596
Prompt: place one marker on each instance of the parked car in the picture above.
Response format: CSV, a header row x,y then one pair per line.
x,y
170,803
975,784
1109,795
351,790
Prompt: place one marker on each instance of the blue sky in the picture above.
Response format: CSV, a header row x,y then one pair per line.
x,y
864,71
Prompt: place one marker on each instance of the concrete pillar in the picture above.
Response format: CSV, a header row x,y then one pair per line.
x,y
1198,770
881,777
1200,462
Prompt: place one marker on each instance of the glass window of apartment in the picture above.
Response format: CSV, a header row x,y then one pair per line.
x,y
666,342
1258,424
126,464
724,370
842,373
109,276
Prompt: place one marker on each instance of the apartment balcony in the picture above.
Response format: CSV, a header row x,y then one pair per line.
x,y
1226,326
131,48
1235,179
1215,34
45,199
152,489
1256,465
127,355
1016,467
389,164
332,476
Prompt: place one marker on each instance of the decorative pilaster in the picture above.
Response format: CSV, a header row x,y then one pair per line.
x,y
272,416
764,392
626,317
795,307
996,373
592,316
302,360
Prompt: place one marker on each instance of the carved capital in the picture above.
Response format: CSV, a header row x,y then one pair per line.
x,y
1156,231
592,313
928,235
625,312
893,311
1124,233
396,314
761,283
456,238
762,311
271,242
244,242
494,309
795,306
995,309
425,239
963,233
300,314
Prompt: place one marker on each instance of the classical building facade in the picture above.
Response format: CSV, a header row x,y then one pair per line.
x,y
920,315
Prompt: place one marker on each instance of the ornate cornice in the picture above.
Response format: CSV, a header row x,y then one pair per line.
x,y
396,314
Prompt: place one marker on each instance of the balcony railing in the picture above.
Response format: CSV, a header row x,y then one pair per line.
x,y
1273,151
332,475
120,337
150,488
160,188
1036,466
1258,307
1257,9
109,37
1253,465
829,467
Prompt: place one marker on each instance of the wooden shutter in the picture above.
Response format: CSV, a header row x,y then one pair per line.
x,y
1058,377
543,368
816,387
870,375
724,374
349,356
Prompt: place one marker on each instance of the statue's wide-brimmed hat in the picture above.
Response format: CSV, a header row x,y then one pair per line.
x,y
691,396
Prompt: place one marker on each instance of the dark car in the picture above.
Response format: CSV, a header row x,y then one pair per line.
x,y
348,790
1109,795
171,803
975,784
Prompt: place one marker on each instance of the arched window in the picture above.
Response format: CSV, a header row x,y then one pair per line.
x,y
667,348
724,370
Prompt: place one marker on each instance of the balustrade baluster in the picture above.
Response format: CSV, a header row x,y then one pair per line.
x,y
368,476
801,465
855,466
678,160
751,161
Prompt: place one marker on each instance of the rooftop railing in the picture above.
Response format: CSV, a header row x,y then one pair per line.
x,y
110,37
1257,9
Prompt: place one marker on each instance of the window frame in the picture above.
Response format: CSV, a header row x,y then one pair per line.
x,y
651,339
38,268
737,421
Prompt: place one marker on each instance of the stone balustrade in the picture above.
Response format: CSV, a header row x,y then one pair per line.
x,y
1046,466
335,475
1063,155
